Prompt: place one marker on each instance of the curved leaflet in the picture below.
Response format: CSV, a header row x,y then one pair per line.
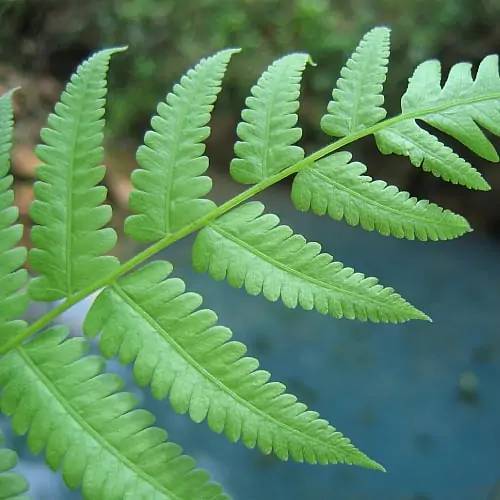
x,y
268,132
169,185
358,99
69,241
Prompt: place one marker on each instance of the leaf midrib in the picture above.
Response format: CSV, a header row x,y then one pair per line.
x,y
170,155
298,274
358,95
183,353
267,124
185,112
70,180
465,174
368,201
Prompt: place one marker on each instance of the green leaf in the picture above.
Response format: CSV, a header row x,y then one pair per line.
x,y
12,484
357,100
13,279
252,250
68,240
334,186
465,103
457,109
94,433
178,349
169,186
268,131
424,150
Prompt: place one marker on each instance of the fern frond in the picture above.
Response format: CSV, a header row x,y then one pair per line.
x,y
335,186
457,109
252,250
357,100
169,186
180,351
95,434
268,132
13,302
12,484
69,239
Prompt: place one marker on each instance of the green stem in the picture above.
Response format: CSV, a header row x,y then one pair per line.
x,y
207,219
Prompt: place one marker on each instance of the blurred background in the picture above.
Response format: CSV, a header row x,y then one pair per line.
x,y
423,399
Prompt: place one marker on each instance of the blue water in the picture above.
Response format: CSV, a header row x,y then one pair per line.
x,y
395,390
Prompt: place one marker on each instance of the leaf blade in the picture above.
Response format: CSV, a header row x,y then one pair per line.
x,y
425,150
338,188
465,102
357,99
69,237
180,351
252,250
169,186
267,131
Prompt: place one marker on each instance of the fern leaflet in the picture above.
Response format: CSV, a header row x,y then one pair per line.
x,y
268,131
339,188
180,351
456,109
424,150
169,186
251,249
61,398
13,301
12,484
357,100
68,240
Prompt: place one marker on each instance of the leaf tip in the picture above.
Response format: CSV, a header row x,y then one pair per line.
x,y
422,316
369,463
379,467
382,28
10,92
228,53
310,61
108,52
